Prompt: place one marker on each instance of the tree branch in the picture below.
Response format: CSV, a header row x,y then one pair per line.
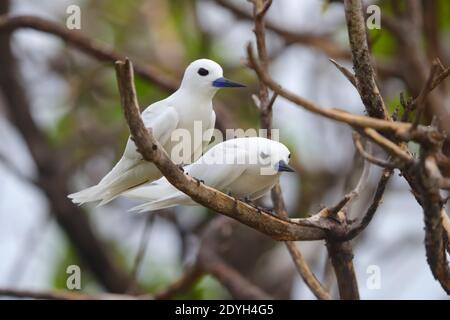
x,y
401,130
300,263
367,217
366,155
140,254
347,73
434,242
89,46
364,73
238,286
341,256
189,277
322,43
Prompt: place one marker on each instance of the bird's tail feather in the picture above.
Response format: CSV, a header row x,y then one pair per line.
x,y
158,189
101,191
106,192
115,183
159,195
86,195
154,205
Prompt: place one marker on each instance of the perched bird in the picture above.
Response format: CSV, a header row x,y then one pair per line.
x,y
190,104
246,168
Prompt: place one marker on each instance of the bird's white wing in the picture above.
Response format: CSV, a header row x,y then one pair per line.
x,y
218,176
162,119
207,135
210,130
220,166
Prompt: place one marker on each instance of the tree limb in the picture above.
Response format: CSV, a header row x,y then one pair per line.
x,y
322,43
364,73
401,130
341,255
355,230
89,46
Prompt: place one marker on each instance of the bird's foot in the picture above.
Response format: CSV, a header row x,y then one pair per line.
x,y
199,181
180,167
254,205
230,194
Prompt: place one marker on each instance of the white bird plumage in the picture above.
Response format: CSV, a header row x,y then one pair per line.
x,y
192,102
244,167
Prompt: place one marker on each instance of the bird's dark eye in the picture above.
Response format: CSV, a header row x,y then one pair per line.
x,y
263,155
203,72
289,156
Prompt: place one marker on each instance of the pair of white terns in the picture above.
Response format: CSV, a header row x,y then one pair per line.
x,y
246,168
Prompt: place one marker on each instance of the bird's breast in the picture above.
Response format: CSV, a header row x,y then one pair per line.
x,y
189,138
251,183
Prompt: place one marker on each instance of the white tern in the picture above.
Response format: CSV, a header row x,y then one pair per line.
x,y
191,103
245,168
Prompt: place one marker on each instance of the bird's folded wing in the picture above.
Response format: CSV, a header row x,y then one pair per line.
x,y
162,120
207,136
213,171
220,166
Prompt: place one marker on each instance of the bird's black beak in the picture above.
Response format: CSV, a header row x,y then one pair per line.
x,y
225,83
283,166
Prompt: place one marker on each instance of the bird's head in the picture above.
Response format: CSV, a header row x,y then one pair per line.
x,y
275,158
280,157
206,76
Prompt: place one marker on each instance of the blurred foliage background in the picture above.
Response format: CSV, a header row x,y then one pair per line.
x,y
74,102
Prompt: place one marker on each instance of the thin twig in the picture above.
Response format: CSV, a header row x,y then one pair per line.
x,y
322,43
187,279
441,77
89,46
367,217
400,129
347,73
364,73
366,155
238,286
392,148
141,253
419,102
